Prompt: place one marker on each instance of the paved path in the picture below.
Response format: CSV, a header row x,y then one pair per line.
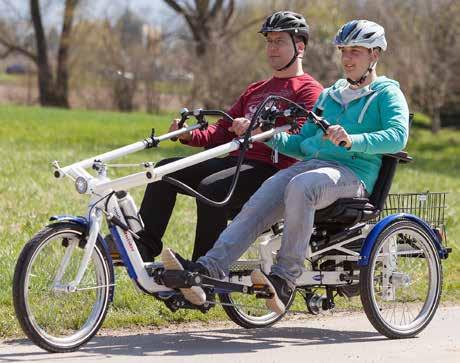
x,y
338,338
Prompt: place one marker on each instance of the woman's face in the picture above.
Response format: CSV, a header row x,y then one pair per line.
x,y
356,61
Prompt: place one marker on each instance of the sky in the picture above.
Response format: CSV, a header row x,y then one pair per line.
x,y
154,11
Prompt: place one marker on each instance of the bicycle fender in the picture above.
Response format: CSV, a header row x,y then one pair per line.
x,y
72,219
384,223
82,221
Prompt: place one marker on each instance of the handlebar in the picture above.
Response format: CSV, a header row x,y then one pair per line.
x,y
199,114
263,116
269,116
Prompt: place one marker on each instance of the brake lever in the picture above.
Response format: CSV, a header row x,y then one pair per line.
x,y
268,118
184,113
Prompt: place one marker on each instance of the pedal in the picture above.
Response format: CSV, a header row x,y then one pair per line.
x,y
174,301
165,295
262,291
245,265
113,250
151,267
116,259
262,295
177,279
258,286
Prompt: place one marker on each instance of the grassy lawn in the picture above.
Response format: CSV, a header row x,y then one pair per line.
x,y
14,78
30,138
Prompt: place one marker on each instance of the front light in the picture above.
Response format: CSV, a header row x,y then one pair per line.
x,y
81,185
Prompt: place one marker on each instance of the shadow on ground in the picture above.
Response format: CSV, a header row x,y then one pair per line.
x,y
207,342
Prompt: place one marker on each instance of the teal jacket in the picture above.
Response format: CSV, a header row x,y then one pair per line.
x,y
377,122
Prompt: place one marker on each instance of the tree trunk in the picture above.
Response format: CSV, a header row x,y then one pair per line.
x,y
436,120
152,97
62,76
45,77
53,92
123,94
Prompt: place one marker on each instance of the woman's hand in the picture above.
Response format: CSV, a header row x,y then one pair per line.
x,y
336,134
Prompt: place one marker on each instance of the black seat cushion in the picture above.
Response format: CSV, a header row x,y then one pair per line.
x,y
346,211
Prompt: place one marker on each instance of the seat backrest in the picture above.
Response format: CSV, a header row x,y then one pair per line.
x,y
386,174
383,184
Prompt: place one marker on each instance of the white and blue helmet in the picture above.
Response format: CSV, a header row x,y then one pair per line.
x,y
363,33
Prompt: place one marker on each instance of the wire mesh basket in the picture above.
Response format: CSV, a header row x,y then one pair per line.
x,y
428,206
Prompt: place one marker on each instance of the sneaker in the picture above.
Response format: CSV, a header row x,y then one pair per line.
x,y
172,261
282,292
191,266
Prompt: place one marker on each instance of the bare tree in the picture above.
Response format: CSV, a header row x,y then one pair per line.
x,y
221,61
127,56
207,20
53,89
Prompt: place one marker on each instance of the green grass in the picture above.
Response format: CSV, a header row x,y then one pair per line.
x,y
14,78
30,138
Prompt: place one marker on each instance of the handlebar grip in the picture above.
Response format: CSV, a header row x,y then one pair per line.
x,y
184,114
182,121
325,125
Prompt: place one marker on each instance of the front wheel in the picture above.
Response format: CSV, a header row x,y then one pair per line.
x,y
55,316
401,285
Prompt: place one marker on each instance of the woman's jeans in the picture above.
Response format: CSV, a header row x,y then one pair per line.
x,y
294,194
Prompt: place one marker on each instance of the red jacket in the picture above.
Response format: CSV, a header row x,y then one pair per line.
x,y
302,89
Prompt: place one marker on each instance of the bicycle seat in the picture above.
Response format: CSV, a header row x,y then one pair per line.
x,y
349,211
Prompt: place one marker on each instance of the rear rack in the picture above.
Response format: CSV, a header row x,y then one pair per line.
x,y
428,206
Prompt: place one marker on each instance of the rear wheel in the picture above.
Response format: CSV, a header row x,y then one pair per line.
x,y
246,310
249,312
52,314
401,285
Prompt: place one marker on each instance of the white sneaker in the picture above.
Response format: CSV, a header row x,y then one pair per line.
x,y
194,294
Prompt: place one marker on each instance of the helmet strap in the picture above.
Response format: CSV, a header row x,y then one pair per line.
x,y
294,57
364,76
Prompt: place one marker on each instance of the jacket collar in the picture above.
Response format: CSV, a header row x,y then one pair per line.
x,y
335,93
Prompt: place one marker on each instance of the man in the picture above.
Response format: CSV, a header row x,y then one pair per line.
x,y
286,35
369,114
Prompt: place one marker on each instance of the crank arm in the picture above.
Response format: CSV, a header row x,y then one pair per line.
x,y
180,279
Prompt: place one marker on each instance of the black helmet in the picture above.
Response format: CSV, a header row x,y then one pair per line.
x,y
286,21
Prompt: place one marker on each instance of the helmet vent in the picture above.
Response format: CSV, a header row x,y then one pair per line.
x,y
368,35
356,34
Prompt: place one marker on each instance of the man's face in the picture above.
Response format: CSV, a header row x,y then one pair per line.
x,y
279,49
356,60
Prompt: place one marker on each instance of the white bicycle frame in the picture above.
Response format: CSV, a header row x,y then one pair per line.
x,y
100,186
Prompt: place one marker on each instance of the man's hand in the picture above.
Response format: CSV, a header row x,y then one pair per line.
x,y
239,126
337,134
175,126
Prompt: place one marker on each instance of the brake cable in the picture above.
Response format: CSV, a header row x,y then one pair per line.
x,y
243,148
